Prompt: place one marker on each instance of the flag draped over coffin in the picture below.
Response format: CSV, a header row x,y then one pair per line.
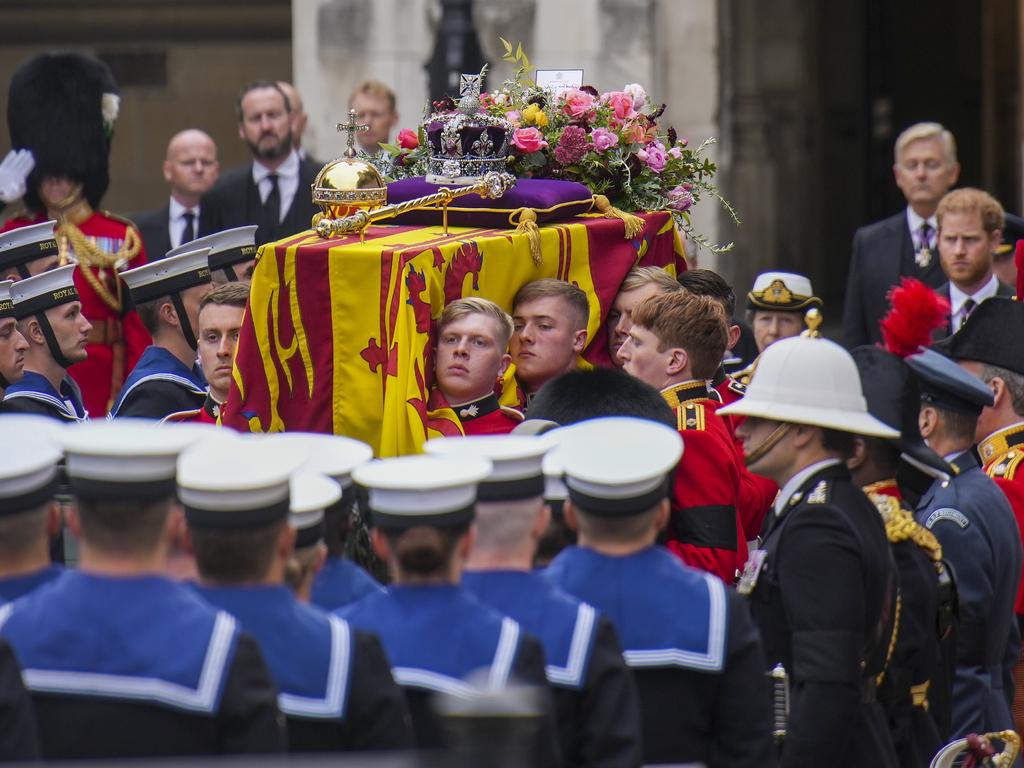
x,y
339,334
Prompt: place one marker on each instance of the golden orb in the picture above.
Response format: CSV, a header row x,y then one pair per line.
x,y
349,183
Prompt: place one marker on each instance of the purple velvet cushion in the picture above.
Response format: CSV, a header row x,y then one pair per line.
x,y
551,200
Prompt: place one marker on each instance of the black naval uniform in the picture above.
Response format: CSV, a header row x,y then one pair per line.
x,y
824,598
903,690
164,674
159,385
18,740
335,685
35,395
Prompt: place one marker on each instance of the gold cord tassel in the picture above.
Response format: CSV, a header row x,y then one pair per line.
x,y
633,223
528,226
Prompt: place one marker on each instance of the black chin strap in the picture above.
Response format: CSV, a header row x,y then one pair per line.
x,y
229,272
51,342
186,326
4,383
23,271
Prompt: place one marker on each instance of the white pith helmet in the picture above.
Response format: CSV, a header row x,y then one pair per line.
x,y
809,381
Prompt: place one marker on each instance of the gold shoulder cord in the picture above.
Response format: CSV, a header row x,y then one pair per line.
x,y
900,525
88,254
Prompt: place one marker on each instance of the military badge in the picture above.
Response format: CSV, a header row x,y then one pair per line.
x,y
751,571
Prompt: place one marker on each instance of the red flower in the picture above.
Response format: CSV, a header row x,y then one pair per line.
x,y
407,139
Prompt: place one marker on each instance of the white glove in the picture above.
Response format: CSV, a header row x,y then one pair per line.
x,y
13,171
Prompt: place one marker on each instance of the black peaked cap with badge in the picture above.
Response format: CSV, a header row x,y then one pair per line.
x,y
946,385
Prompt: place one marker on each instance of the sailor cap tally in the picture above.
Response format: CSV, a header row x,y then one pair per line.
x,y
516,463
331,455
232,482
29,456
782,292
618,466
411,491
25,244
168,276
227,248
127,458
311,495
6,302
44,291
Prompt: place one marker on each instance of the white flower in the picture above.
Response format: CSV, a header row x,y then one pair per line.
x,y
638,93
109,106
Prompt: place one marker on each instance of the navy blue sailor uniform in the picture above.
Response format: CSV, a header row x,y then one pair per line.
x,y
824,599
34,394
165,674
13,587
335,685
693,650
595,695
341,582
19,741
159,385
975,525
437,635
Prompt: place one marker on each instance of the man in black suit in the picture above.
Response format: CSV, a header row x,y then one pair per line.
x,y
904,244
191,168
274,190
970,231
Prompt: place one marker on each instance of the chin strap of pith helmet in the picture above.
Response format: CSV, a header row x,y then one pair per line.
x,y
186,326
769,442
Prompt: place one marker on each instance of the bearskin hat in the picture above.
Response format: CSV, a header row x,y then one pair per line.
x,y
62,106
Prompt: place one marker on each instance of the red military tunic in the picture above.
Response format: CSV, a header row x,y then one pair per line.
x,y
1002,453
486,416
705,529
208,414
118,338
757,493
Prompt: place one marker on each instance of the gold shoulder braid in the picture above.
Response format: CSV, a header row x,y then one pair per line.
x,y
88,254
900,525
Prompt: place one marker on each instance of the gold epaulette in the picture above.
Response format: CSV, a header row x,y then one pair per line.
x,y
123,219
1005,467
900,525
691,416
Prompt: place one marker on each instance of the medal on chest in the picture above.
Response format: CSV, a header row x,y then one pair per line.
x,y
751,571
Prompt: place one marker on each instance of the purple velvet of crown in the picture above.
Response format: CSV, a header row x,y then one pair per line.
x,y
464,146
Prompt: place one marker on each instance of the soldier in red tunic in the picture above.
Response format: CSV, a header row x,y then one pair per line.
x,y
472,337
62,107
675,344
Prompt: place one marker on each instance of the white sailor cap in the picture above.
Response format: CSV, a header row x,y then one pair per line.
x,y
231,482
782,291
168,276
29,454
6,302
555,488
43,291
618,466
227,248
410,491
312,494
126,458
331,455
516,462
24,244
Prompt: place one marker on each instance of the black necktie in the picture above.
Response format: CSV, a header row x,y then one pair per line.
x,y
966,310
272,205
188,232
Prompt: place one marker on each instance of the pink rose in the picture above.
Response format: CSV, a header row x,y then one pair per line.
x,y
514,117
654,155
638,94
603,139
621,104
676,152
528,139
407,139
577,104
680,198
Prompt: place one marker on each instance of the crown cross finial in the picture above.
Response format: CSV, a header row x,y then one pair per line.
x,y
353,126
470,87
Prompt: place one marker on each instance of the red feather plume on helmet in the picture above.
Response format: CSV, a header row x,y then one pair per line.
x,y
916,311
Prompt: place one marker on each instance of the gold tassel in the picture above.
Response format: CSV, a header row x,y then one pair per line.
x,y
528,226
634,224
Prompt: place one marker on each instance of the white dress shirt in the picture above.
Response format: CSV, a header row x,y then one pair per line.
x,y
914,222
958,297
176,222
287,181
797,480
